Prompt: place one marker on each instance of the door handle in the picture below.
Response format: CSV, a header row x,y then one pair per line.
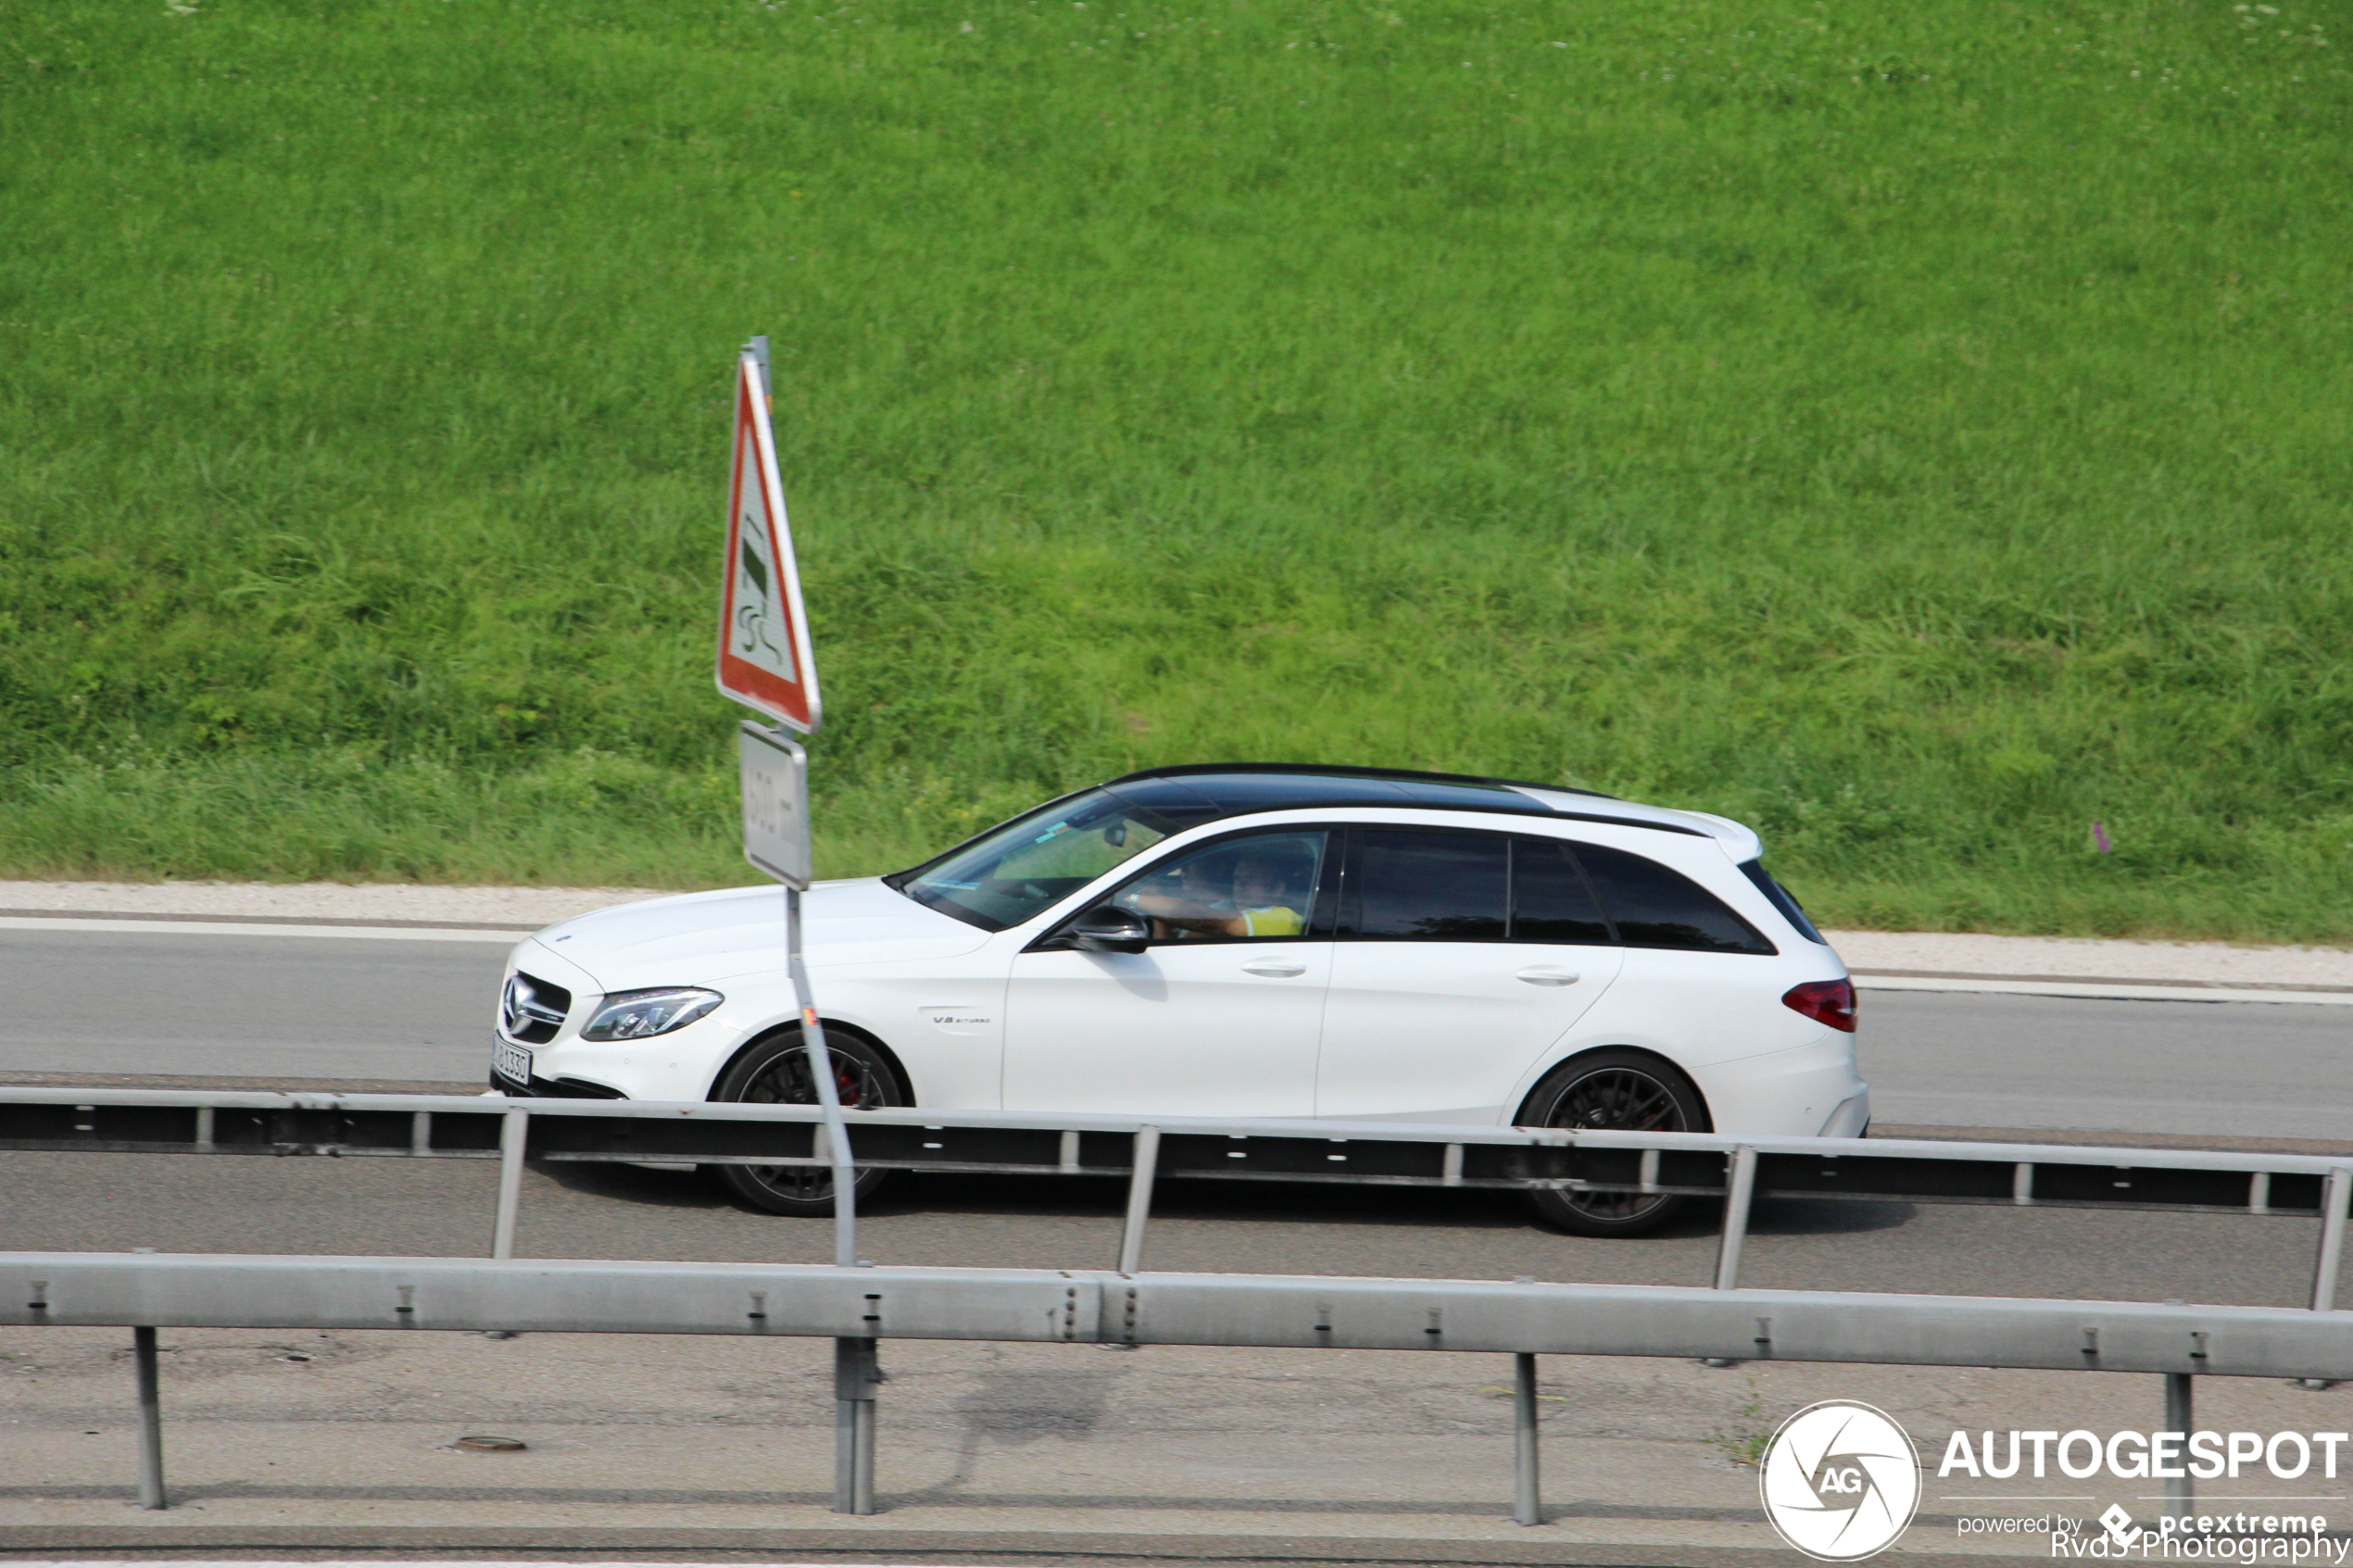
x,y
1543,974
1275,969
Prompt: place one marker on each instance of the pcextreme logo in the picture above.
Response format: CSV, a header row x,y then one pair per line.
x,y
1839,1481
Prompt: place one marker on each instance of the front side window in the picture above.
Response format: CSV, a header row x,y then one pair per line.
x,y
1029,864
1658,907
1427,887
1249,887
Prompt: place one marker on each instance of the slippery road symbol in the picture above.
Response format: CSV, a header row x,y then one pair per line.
x,y
757,623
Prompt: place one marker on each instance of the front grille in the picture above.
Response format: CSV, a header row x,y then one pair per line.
x,y
575,1088
553,1088
533,1009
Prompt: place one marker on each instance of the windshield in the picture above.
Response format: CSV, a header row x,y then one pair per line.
x,y
1002,878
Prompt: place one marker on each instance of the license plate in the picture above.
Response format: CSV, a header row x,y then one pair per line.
x,y
510,1061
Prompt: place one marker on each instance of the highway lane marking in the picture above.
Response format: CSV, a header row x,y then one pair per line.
x,y
2099,990
258,928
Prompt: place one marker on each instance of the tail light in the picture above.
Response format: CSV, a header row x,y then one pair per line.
x,y
1824,1001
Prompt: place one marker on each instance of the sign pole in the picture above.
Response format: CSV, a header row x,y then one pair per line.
x,y
764,662
821,1068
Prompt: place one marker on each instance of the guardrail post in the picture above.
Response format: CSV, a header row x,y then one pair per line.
x,y
142,1356
856,1371
2333,1196
1527,1506
1140,1199
513,1129
1738,1192
2177,1419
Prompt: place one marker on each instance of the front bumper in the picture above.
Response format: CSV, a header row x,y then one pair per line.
x,y
551,1088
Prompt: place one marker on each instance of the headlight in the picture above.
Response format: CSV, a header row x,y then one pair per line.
x,y
634,1015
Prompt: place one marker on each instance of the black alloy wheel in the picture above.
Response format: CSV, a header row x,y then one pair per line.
x,y
777,1071
1624,1089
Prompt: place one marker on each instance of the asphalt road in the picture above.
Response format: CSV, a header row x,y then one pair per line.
x,y
2238,1070
247,1006
277,1007
309,1008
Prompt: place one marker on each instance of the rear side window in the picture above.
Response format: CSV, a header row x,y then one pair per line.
x,y
1550,900
1658,907
1428,887
1778,896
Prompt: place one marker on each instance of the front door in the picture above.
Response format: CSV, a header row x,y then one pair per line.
x,y
1219,1016
1461,956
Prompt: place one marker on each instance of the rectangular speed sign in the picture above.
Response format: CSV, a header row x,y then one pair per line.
x,y
775,781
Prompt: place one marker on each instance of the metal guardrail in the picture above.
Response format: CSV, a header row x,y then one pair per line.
x,y
84,1289
1144,1150
860,1306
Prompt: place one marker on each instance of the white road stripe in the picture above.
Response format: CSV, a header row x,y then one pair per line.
x,y
256,928
2098,990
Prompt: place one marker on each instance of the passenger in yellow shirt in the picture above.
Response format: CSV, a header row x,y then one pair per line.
x,y
1260,890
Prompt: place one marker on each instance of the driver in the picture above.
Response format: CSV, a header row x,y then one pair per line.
x,y
1253,899
1195,900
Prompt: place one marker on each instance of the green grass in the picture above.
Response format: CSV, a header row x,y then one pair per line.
x,y
1917,431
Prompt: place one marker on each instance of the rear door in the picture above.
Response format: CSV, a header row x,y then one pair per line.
x,y
1460,956
1699,982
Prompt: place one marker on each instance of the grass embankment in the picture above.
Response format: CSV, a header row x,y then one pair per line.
x,y
1921,431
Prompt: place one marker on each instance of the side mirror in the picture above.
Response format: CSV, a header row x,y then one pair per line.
x,y
1107,928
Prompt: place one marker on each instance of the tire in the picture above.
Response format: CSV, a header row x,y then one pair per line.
x,y
1617,1088
775,1072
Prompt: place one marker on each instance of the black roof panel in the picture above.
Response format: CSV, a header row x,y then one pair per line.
x,y
1235,789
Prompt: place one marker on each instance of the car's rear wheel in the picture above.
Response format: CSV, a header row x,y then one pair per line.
x,y
777,1071
1624,1089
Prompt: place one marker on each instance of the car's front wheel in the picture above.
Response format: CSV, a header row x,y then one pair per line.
x,y
1622,1089
777,1071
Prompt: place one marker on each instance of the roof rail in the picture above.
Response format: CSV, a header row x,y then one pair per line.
x,y
1343,771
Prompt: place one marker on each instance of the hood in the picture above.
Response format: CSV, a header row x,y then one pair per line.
x,y
708,937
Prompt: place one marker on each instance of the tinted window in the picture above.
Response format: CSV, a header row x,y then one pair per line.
x,y
1779,897
1550,900
1253,887
1658,907
1433,887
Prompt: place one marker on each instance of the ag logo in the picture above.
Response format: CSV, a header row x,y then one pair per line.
x,y
1839,1481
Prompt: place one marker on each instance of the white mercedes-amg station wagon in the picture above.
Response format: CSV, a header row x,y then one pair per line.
x,y
1239,940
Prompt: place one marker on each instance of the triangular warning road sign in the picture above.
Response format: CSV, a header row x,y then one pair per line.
x,y
763,634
